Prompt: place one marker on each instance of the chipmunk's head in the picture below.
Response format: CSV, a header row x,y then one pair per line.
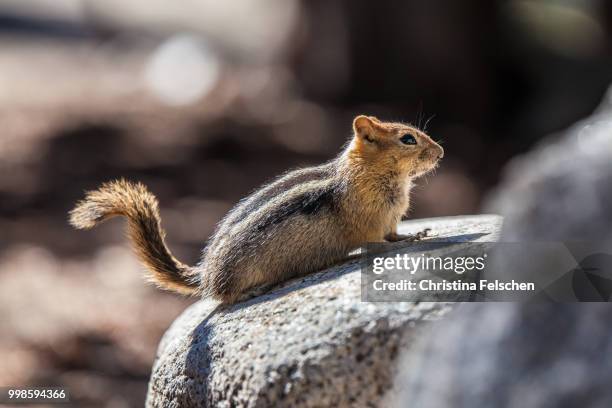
x,y
410,150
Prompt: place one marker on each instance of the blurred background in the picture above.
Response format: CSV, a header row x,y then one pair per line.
x,y
204,101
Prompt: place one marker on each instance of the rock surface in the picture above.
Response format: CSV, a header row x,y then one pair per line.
x,y
511,355
310,342
530,355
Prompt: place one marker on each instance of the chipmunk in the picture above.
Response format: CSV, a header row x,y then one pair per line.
x,y
303,222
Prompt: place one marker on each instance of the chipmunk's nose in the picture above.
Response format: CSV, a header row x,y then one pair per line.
x,y
439,152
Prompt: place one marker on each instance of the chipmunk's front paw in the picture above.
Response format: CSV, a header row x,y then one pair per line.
x,y
395,237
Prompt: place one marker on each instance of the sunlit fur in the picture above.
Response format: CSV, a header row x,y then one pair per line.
x,y
303,222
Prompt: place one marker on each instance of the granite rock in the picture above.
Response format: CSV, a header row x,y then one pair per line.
x,y
309,342
510,355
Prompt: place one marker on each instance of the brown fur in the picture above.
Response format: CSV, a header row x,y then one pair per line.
x,y
144,230
305,221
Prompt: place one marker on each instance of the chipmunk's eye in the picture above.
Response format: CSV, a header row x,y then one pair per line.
x,y
408,139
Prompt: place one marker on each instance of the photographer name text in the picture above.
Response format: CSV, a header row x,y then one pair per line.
x,y
410,264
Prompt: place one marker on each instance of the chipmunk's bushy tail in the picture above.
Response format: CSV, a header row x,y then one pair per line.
x,y
140,207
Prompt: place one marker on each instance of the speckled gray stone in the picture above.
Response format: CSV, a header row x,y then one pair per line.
x,y
509,355
310,342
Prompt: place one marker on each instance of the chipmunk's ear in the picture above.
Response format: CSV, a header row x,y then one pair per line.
x,y
365,127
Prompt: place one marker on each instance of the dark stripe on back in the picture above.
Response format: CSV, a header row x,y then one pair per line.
x,y
280,186
308,203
